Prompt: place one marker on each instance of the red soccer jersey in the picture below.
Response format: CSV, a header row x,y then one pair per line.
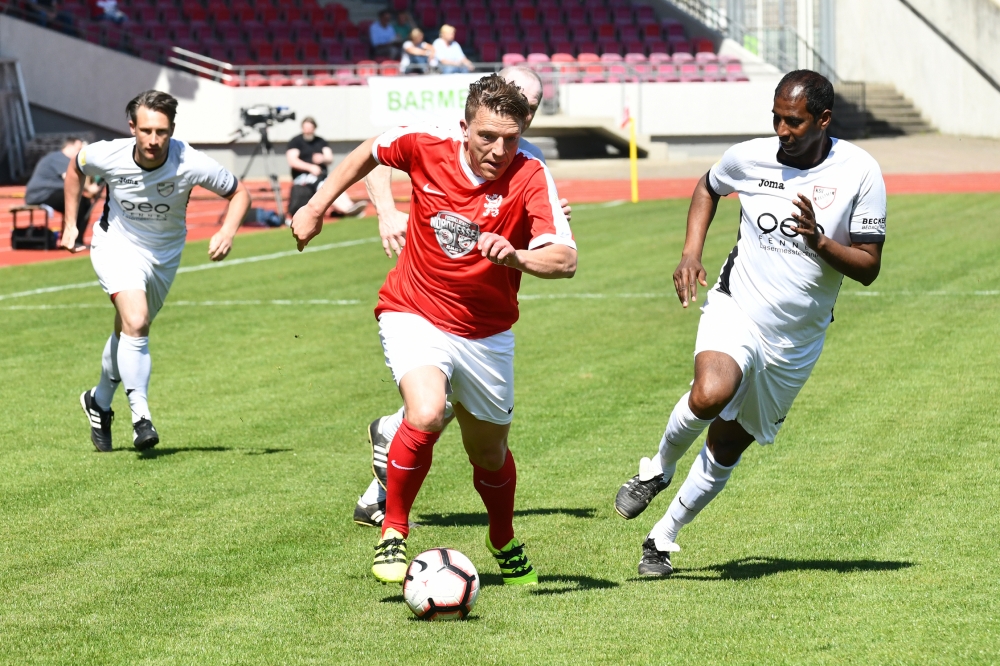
x,y
441,276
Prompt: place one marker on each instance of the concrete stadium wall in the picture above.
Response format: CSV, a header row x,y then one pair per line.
x,y
883,41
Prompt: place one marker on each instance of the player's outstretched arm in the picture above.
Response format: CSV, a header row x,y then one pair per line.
x,y
690,273
308,221
860,261
222,241
391,222
72,189
549,262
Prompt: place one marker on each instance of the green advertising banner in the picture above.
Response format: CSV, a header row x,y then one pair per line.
x,y
438,99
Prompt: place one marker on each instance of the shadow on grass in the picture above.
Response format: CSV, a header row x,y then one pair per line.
x,y
481,520
556,584
150,454
393,599
750,568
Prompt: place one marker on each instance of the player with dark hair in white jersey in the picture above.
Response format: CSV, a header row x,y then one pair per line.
x,y
137,245
370,508
813,211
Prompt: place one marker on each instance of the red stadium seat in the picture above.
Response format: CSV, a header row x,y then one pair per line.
x,y
278,80
311,52
659,57
583,48
346,77
257,81
657,46
536,47
512,47
635,47
705,56
628,33
562,47
527,15
599,16
324,79
533,33
622,18
508,34
510,59
583,34
645,14
550,16
389,68
558,33
704,46
681,47
367,68
711,71
576,17
611,48
606,32
489,51
287,52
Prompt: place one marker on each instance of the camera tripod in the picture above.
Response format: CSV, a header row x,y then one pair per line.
x,y
264,149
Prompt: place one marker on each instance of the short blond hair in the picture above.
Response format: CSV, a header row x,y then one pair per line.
x,y
447,28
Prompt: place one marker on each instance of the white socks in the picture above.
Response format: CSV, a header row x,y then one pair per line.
x,y
706,479
105,391
387,428
683,428
390,424
375,493
134,366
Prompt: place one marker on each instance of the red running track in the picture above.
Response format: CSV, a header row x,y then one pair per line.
x,y
205,209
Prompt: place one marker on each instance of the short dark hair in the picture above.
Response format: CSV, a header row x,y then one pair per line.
x,y
499,96
816,88
309,119
72,138
154,100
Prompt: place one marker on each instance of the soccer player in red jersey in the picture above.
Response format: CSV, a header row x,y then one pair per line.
x,y
482,212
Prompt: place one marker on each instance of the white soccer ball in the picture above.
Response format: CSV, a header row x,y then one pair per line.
x,y
441,584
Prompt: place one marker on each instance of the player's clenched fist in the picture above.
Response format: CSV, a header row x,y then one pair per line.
x,y
306,225
497,249
219,246
689,274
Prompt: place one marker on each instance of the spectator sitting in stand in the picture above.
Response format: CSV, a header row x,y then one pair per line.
x,y
46,13
418,55
309,155
45,188
383,37
449,53
404,25
107,10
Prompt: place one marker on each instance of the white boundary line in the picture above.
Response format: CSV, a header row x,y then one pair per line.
x,y
199,267
78,306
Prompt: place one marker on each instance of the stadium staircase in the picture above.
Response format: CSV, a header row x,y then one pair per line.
x,y
16,129
870,110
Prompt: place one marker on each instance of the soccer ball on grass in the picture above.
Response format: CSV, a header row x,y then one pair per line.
x,y
441,584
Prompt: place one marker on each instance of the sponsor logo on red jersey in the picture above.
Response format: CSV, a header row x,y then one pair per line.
x,y
455,234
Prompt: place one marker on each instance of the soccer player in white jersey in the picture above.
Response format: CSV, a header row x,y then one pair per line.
x,y
370,508
813,211
137,245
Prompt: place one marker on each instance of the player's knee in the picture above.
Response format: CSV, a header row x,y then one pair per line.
x,y
135,325
426,417
490,458
709,398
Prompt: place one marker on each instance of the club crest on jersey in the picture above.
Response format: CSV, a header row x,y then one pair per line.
x,y
492,205
823,196
164,189
455,234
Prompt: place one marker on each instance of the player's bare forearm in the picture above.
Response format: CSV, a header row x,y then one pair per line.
x,y
690,272
222,241
308,221
860,262
72,189
391,222
551,262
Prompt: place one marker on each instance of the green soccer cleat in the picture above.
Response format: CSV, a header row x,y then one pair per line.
x,y
390,558
514,564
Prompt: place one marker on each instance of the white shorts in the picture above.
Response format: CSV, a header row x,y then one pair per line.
x,y
121,265
772,376
480,372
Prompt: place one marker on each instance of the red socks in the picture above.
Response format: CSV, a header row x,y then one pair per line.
x,y
497,490
409,461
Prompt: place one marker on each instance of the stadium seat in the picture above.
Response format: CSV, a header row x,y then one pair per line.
x,y
346,77
278,80
710,72
704,46
667,73
538,59
659,57
324,79
657,46
256,81
389,68
585,47
511,59
645,14
489,51
550,16
628,33
527,15
533,33
536,47
681,48
705,57
690,72
611,48
606,32
562,47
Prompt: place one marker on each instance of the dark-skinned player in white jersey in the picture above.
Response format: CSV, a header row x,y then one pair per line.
x,y
812,212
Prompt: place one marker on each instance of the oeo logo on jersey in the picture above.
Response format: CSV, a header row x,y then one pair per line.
x,y
455,234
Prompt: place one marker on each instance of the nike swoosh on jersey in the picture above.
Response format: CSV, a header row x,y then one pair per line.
x,y
408,469
428,190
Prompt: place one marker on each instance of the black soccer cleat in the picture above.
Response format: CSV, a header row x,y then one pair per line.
x,y
369,515
380,451
635,495
654,563
145,436
99,420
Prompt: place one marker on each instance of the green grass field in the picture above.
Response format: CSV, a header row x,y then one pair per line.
x,y
867,534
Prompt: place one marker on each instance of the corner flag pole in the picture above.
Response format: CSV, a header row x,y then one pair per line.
x,y
633,158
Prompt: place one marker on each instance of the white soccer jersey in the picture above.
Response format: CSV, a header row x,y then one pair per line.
x,y
781,284
149,207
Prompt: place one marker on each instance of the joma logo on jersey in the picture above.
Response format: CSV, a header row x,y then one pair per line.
x,y
127,181
455,234
492,205
773,184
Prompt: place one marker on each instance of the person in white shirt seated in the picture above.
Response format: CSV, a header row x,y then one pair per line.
x,y
418,55
383,38
449,53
